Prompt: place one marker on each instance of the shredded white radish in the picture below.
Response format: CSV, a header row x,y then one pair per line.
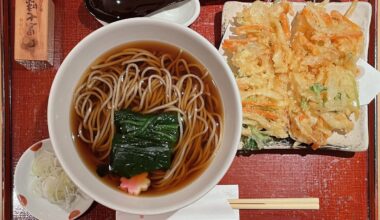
x,y
51,181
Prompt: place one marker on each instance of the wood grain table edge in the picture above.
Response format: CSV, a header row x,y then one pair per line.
x,y
373,153
1,106
6,164
374,214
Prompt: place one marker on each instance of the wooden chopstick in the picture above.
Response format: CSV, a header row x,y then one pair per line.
x,y
275,203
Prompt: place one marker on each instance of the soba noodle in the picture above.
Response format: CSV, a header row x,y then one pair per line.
x,y
149,82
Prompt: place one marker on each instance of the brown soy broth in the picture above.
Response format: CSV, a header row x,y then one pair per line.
x,y
84,149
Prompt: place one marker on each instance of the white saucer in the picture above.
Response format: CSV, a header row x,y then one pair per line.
x,y
37,206
183,13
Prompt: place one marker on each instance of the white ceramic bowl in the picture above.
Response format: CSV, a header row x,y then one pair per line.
x,y
96,44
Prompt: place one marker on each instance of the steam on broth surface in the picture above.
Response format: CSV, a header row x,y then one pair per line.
x,y
147,112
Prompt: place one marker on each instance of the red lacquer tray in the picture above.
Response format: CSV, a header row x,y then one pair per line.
x,y
344,182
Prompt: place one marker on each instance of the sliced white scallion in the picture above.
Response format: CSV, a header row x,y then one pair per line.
x,y
51,181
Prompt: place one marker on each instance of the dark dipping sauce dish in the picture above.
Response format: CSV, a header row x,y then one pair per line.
x,y
114,10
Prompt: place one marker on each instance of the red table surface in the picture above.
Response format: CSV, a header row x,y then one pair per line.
x,y
339,179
